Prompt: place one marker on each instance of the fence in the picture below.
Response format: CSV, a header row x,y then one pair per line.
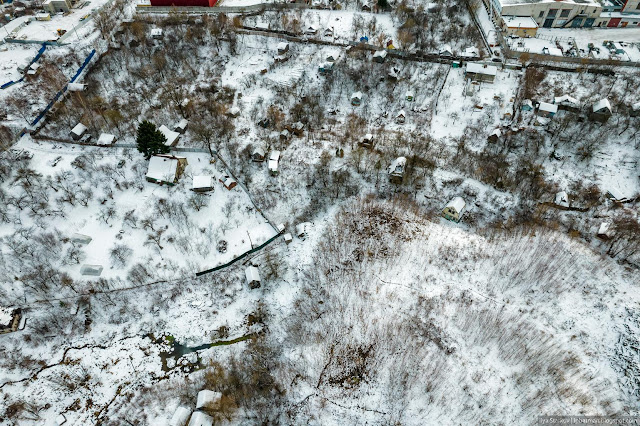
x,y
38,55
223,9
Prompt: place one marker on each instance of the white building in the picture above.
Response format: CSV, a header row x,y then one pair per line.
x,y
454,209
548,13
253,279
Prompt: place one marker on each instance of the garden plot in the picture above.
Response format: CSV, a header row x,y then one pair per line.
x,y
13,56
102,194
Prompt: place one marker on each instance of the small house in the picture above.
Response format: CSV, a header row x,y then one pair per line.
x,y
76,87
234,112
91,270
332,56
325,68
567,103
356,99
253,277
366,6
547,110
33,69
379,56
527,105
562,199
285,135
281,228
258,155
156,33
495,136
227,181
520,26
43,16
302,229
283,48
181,126
165,169
393,74
481,72
281,58
310,30
171,136
209,398
106,139
274,159
617,195
367,141
288,238
471,52
180,416
409,96
198,418
445,51
202,183
328,32
80,239
601,111
397,169
635,110
78,132
9,319
454,209
400,117
605,231
297,128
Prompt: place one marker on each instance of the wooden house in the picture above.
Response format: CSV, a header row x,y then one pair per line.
x,y
156,33
454,209
481,72
164,168
234,112
547,110
274,160
227,181
171,136
401,117
605,231
253,277
567,103
283,48
379,56
495,136
310,30
601,111
78,132
202,183
258,155
332,56
562,199
367,141
445,51
397,169
106,139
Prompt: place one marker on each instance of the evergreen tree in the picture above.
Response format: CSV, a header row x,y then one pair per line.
x,y
150,140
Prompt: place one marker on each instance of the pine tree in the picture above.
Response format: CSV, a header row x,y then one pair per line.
x,y
150,140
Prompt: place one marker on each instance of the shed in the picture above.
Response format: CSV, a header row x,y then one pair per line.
x,y
454,209
198,418
253,279
92,270
283,48
234,112
165,169
481,72
356,98
567,103
527,105
258,155
547,110
33,69
605,231
521,26
297,128
181,126
208,398
635,110
311,29
400,117
202,183
81,239
495,136
285,135
106,139
9,319
397,169
274,159
78,131
288,238
367,141
76,87
172,137
393,74
445,51
332,56
326,68
302,229
228,182
601,111
380,56
156,33
180,416
617,195
562,199
470,52
409,96
328,32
